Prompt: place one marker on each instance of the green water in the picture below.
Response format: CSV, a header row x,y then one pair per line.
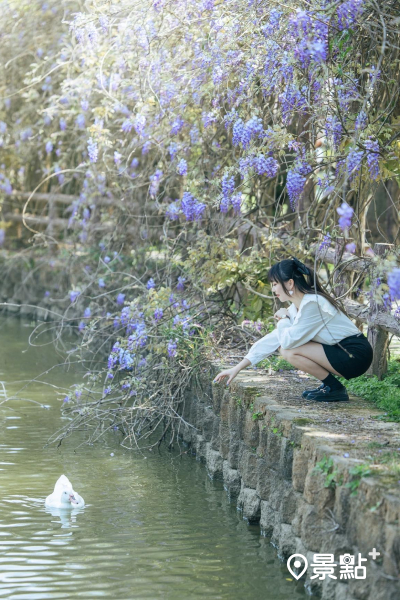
x,y
153,526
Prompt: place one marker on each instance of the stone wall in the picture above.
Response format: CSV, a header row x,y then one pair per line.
x,y
266,456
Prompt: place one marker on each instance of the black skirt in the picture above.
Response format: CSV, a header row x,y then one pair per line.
x,y
352,366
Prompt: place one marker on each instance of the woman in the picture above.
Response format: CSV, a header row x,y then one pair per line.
x,y
314,334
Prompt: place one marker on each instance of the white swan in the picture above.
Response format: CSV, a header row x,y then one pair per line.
x,y
64,496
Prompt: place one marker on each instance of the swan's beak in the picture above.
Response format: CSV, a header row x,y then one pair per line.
x,y
72,499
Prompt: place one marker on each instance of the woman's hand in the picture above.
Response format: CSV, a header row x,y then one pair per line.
x,y
228,373
281,314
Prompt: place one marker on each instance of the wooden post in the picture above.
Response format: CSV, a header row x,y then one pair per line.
x,y
342,280
378,338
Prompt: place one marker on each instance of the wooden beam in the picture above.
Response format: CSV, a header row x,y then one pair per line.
x,y
361,312
17,218
61,198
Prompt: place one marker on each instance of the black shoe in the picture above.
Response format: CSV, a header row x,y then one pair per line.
x,y
306,392
329,395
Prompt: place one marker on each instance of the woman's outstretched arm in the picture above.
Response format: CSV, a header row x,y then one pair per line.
x,y
231,373
261,349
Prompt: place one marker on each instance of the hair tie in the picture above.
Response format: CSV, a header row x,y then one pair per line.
x,y
301,267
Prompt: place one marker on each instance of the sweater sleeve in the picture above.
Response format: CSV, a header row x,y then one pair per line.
x,y
264,347
306,328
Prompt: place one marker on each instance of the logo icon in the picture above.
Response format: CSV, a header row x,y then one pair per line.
x,y
297,564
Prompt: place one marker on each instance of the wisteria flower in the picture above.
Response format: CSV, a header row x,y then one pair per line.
x,y
373,158
326,242
120,298
73,295
354,160
150,284
182,167
346,214
191,207
295,183
172,346
92,150
394,284
181,284
172,211
351,247
158,314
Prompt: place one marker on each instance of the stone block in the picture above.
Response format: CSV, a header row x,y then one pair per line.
x,y
214,462
216,392
391,509
234,447
286,542
232,480
207,424
249,503
287,459
274,449
391,555
248,468
316,493
224,409
215,439
298,515
313,528
364,526
251,432
265,478
341,506
288,505
300,469
262,439
224,439
268,518
200,447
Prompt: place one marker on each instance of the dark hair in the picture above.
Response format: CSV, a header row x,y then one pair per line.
x,y
304,280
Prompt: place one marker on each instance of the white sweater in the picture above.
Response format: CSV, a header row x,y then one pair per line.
x,y
317,320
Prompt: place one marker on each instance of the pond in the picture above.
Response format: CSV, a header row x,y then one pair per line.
x,y
154,525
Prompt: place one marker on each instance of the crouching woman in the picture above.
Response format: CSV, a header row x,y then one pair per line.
x,y
314,334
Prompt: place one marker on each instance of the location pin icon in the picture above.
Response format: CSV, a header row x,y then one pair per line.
x,y
297,565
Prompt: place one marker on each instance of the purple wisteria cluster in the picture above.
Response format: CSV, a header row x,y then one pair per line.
x,y
349,12
326,242
244,133
295,183
155,181
182,167
189,206
373,158
346,213
228,197
266,165
333,130
354,160
394,284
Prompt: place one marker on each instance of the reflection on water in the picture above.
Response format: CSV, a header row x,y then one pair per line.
x,y
154,525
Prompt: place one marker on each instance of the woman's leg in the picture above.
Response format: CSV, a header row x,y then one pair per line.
x,y
310,358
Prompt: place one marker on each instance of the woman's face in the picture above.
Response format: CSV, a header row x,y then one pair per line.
x,y
278,291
